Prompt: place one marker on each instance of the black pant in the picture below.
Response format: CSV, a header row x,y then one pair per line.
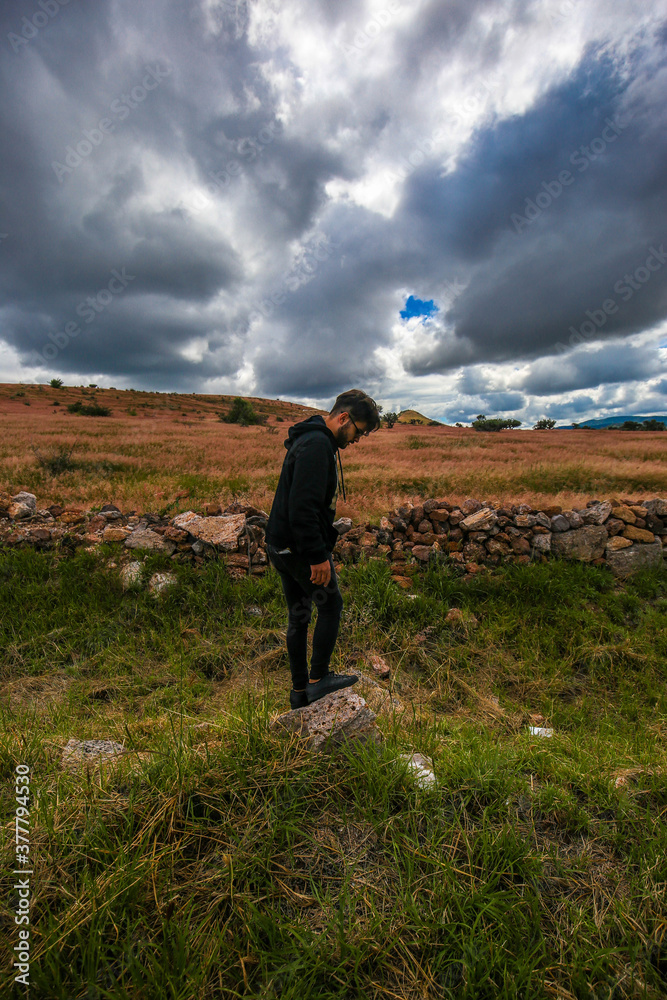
x,y
300,593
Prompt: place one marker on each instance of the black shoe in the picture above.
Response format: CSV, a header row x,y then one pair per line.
x,y
330,682
298,699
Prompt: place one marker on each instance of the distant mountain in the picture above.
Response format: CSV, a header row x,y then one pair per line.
x,y
610,421
414,417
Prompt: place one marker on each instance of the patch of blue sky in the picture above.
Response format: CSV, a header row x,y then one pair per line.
x,y
418,307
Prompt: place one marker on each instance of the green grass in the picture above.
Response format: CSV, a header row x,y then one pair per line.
x,y
239,864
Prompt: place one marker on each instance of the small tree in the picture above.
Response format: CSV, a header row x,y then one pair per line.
x,y
390,418
484,423
242,413
545,424
56,383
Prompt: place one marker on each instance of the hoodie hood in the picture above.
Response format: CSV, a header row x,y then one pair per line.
x,y
315,423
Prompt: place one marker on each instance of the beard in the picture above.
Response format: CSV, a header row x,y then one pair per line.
x,y
341,438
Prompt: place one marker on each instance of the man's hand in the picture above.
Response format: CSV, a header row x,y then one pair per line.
x,y
321,573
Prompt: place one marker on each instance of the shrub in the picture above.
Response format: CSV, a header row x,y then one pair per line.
x,y
243,413
390,418
57,461
89,410
56,383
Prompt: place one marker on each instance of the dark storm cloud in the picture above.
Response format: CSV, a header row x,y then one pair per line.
x,y
210,191
81,115
528,287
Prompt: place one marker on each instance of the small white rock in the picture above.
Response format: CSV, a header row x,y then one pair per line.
x,y
420,769
540,731
130,575
160,582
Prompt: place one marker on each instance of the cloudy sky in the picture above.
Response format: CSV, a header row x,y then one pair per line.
x,y
458,205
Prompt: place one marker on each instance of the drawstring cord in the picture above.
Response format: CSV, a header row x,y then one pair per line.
x,y
342,481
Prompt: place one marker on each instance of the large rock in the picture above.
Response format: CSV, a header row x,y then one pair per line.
x,y
597,513
623,513
481,520
116,534
144,538
586,544
335,719
638,534
574,518
626,561
17,510
541,543
29,499
422,552
617,542
657,507
223,531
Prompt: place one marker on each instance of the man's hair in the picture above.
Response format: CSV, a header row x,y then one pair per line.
x,y
360,406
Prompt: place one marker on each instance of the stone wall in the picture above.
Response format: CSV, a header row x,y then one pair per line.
x,y
622,533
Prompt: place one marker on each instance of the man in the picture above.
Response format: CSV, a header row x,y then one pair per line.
x,y
300,537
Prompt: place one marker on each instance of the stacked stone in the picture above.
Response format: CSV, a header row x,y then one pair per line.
x,y
624,534
237,534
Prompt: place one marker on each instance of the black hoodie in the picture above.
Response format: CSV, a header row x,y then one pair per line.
x,y
304,507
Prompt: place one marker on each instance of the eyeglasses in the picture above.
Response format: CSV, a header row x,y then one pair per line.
x,y
358,434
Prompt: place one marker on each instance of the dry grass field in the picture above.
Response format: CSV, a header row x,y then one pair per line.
x,y
159,450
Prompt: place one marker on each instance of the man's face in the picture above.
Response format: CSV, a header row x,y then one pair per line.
x,y
348,433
